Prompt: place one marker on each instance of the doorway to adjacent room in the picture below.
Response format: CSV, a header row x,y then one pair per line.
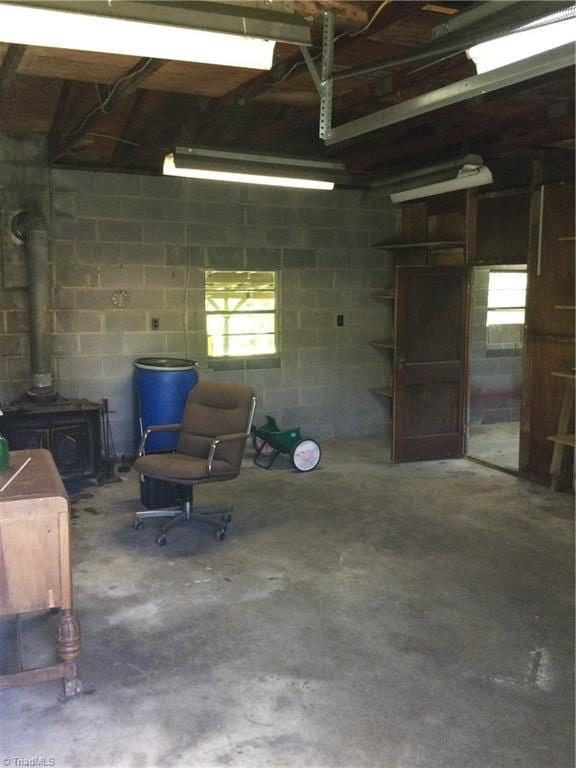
x,y
498,300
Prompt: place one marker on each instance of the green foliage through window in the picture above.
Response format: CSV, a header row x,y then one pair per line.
x,y
240,313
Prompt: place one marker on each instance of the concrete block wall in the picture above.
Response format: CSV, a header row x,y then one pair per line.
x,y
152,238
495,374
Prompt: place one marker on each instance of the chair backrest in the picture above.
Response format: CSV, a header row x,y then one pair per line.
x,y
215,408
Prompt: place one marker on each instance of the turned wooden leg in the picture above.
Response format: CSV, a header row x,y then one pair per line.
x,y
68,644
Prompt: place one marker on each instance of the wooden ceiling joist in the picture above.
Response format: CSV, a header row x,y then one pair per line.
x,y
123,87
10,62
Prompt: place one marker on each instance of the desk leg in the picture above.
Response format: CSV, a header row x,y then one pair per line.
x,y
68,644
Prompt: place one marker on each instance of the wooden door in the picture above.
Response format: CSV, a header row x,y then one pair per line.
x,y
430,363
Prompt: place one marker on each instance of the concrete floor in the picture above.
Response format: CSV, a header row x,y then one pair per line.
x,y
366,615
497,443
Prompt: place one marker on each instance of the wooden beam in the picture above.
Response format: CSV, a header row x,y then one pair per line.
x,y
10,62
120,90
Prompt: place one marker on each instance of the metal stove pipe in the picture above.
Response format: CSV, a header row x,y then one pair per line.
x,y
38,268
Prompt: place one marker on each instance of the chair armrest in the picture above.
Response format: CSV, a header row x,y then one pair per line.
x,y
155,428
221,439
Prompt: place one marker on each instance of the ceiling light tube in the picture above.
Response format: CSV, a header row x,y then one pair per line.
x,y
163,33
247,168
508,49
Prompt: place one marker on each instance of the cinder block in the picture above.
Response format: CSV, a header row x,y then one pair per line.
x,y
161,186
15,321
79,367
318,356
94,206
80,275
294,299
299,338
263,216
298,258
349,279
100,343
319,238
165,277
72,180
119,231
99,253
333,258
64,204
176,344
321,279
140,298
14,344
175,298
225,214
283,237
77,321
63,298
65,344
276,399
317,318
224,257
125,320
242,236
19,369
263,258
199,233
139,344
75,229
170,320
119,367
116,183
143,253
182,255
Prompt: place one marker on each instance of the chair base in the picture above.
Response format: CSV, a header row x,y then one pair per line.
x,y
216,517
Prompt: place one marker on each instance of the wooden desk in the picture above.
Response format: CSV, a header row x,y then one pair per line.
x,y
35,573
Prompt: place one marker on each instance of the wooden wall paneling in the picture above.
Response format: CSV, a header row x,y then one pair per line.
x,y
549,331
502,225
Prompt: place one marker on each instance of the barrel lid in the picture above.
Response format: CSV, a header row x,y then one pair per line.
x,y
164,363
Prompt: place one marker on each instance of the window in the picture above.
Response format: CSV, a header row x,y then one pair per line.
x,y
505,313
240,313
506,298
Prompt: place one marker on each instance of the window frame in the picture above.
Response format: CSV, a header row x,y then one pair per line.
x,y
243,356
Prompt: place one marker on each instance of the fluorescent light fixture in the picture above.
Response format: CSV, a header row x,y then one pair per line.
x,y
468,176
463,173
146,29
508,49
251,168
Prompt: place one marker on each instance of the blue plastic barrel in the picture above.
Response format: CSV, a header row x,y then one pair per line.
x,y
162,385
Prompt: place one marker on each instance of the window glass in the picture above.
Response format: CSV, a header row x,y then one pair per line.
x,y
240,313
506,298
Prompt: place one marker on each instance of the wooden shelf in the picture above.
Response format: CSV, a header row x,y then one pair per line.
x,y
383,391
568,239
563,439
570,375
386,294
428,245
382,344
564,306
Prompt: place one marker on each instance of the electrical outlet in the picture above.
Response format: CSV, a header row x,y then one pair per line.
x,y
339,320
155,323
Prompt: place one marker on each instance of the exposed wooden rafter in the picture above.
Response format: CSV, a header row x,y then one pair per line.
x,y
10,62
123,87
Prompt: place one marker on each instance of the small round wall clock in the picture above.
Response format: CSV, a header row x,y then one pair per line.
x,y
120,299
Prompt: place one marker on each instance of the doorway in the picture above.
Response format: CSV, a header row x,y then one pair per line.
x,y
498,300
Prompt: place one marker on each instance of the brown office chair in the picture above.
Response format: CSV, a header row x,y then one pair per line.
x,y
215,424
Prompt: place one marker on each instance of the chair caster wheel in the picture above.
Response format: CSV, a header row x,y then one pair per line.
x,y
137,524
220,534
227,517
161,540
